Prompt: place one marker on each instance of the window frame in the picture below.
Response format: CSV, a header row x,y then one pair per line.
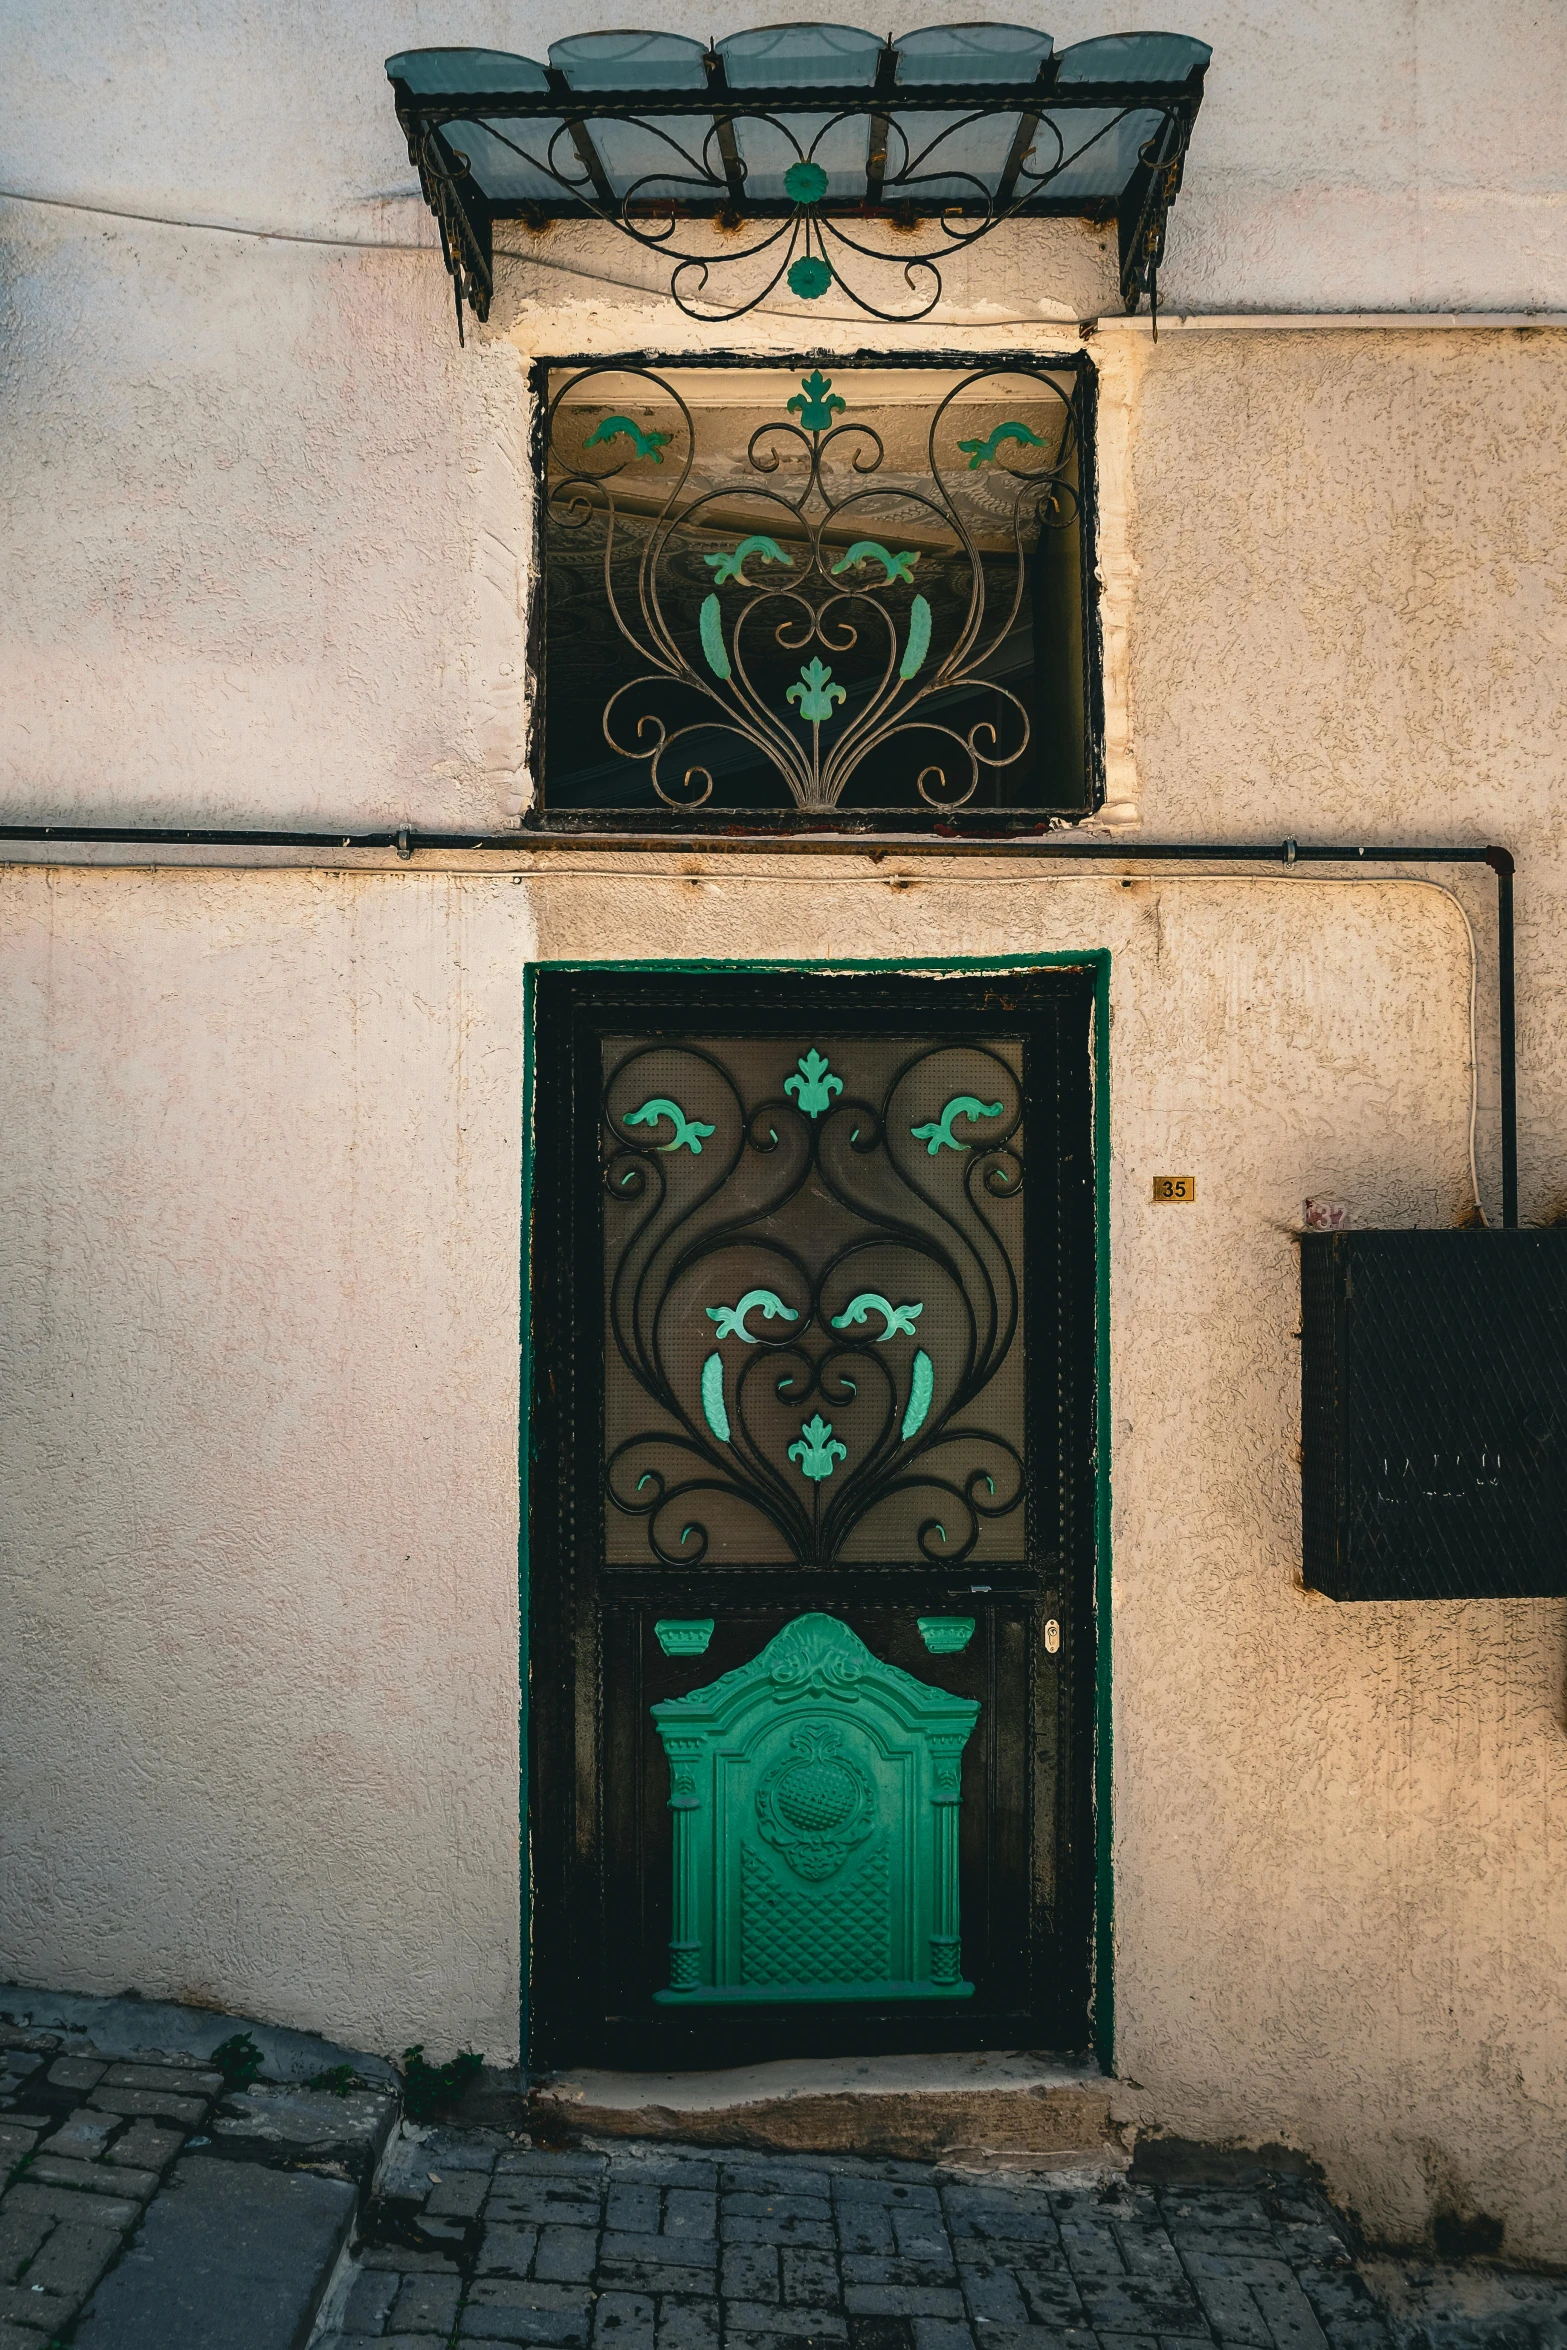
x,y
711,826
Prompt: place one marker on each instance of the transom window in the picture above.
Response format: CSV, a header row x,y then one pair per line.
x,y
849,597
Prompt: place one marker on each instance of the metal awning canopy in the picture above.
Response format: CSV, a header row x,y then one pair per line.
x,y
749,161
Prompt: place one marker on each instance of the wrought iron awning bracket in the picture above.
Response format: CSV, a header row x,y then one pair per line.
x,y
711,184
1142,223
723,124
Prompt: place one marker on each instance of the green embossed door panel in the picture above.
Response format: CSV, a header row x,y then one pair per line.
x,y
813,1346
815,1848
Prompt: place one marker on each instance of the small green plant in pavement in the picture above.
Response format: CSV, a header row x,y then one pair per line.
x,y
338,2080
428,2087
238,2059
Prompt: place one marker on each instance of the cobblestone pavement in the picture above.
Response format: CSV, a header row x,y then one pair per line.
x,y
474,2236
84,2144
89,2141
475,2239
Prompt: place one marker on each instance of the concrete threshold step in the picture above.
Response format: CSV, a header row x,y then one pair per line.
x,y
993,2110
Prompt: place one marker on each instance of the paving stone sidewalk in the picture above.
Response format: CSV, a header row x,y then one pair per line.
x,y
476,2239
144,2206
84,2143
145,2202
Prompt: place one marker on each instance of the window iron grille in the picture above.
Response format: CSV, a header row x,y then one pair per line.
x,y
853,598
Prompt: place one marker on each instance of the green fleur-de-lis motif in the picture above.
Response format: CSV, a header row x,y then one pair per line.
x,y
731,1319
765,550
898,1318
815,401
687,1130
813,1089
872,550
938,1134
818,1451
983,452
644,444
816,693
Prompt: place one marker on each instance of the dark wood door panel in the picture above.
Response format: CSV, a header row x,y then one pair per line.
x,y
705,1877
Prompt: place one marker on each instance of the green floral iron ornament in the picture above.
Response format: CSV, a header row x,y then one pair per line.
x,y
731,1319
813,1088
887,671
938,1134
726,567
818,1449
897,1318
688,1131
816,693
816,403
805,182
645,444
872,551
984,452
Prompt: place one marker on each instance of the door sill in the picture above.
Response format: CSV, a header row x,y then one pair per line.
x,y
1016,2109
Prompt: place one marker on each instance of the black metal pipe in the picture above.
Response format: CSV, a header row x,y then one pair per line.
x,y
1501,865
1060,847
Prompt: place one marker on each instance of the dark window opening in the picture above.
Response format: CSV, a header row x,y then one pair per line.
x,y
849,597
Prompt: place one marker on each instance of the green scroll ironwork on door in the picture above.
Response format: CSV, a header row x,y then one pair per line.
x,y
814,1793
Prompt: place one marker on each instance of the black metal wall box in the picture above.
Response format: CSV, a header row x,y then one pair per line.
x,y
781,139
1434,1414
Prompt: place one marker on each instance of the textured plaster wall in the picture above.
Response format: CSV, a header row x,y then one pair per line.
x,y
260,513
258,1411
261,1393
264,535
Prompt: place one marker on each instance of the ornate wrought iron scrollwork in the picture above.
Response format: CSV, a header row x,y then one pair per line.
x,y
821,1304
935,205
809,632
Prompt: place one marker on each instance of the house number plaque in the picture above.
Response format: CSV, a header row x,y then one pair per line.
x,y
1174,1187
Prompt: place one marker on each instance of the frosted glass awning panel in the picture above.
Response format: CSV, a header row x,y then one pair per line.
x,y
1006,53
463,73
1099,154
647,162
800,57
948,152
1146,58
631,61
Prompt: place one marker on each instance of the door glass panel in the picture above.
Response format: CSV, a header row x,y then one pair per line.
x,y
813,1264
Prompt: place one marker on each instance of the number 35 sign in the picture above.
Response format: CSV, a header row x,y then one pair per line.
x,y
1174,1187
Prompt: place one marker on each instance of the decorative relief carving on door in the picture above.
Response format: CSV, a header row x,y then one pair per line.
x,y
814,1793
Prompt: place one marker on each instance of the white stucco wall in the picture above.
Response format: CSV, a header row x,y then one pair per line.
x,y
264,535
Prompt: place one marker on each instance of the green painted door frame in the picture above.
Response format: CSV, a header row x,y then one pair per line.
x,y
1096,959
